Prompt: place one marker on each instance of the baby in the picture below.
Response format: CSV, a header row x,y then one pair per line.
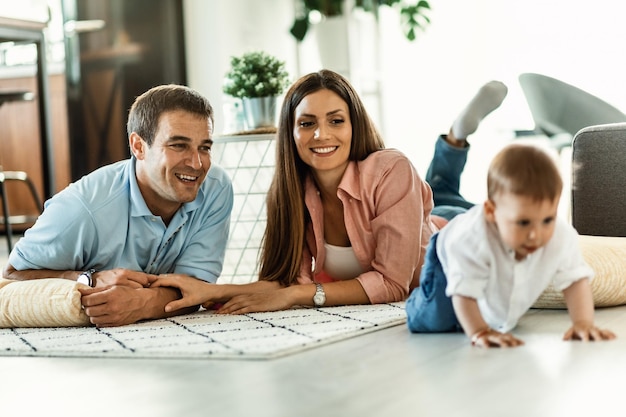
x,y
486,268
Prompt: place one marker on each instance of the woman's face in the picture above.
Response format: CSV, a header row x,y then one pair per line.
x,y
323,132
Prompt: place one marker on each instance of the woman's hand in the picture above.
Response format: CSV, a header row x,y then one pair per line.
x,y
262,301
194,291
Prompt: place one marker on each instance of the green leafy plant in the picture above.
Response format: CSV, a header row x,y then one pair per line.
x,y
412,14
256,74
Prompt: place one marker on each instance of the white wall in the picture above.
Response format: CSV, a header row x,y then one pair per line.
x,y
470,42
216,30
426,83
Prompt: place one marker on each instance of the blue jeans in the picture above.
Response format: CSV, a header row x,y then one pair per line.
x,y
444,178
428,308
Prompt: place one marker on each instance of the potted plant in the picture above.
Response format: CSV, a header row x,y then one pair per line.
x,y
413,14
257,78
325,8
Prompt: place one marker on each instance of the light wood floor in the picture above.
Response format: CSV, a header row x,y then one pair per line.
x,y
386,373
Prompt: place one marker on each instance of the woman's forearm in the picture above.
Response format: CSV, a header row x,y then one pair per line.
x,y
348,292
225,292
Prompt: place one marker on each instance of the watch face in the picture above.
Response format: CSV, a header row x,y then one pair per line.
x,y
84,279
320,297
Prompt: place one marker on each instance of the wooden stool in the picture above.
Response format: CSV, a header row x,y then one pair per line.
x,y
8,220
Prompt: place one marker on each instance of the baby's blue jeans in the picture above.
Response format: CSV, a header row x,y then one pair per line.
x,y
428,308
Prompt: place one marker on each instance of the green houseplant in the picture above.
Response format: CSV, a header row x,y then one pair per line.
x,y
412,13
257,78
256,74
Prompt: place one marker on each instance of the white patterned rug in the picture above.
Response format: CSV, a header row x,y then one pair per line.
x,y
207,335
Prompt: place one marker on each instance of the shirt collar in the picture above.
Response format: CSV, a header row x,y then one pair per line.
x,y
350,182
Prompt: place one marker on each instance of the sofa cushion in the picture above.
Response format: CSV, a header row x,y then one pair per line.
x,y
50,302
607,256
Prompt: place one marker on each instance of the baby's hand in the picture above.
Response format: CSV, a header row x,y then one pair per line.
x,y
492,338
587,332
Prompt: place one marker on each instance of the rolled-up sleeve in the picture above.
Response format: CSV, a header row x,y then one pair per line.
x,y
393,221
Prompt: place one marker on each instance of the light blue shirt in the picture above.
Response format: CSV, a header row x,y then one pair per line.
x,y
102,222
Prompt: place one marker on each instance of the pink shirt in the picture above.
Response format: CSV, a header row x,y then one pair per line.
x,y
387,215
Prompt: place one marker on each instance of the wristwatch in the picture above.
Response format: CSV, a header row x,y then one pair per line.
x,y
319,299
86,277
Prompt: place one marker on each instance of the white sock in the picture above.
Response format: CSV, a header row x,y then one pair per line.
x,y
488,98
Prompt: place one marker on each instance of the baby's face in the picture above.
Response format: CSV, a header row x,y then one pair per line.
x,y
524,224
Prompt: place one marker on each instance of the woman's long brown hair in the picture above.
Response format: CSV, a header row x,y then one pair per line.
x,y
287,218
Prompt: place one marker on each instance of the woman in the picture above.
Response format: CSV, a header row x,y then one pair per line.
x,y
348,220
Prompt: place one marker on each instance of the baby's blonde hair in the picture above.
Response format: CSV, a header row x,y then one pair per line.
x,y
524,170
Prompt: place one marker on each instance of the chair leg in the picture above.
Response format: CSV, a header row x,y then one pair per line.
x,y
36,198
5,211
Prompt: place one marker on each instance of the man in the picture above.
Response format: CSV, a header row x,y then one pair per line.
x,y
163,211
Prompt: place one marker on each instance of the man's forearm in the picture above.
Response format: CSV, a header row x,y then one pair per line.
x,y
118,305
161,297
28,274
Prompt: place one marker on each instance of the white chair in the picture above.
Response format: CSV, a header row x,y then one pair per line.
x,y
560,110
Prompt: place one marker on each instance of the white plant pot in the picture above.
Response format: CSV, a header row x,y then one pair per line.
x,y
333,44
259,112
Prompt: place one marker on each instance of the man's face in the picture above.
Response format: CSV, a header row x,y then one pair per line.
x,y
170,172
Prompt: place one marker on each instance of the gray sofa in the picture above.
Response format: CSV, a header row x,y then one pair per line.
x,y
599,212
599,180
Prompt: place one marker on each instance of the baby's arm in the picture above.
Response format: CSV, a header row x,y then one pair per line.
x,y
579,300
476,328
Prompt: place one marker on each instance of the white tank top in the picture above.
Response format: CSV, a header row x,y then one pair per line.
x,y
341,263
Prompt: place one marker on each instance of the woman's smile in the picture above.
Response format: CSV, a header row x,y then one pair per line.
x,y
324,150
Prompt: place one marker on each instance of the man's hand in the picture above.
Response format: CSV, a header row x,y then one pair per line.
x,y
119,305
115,305
118,297
123,277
